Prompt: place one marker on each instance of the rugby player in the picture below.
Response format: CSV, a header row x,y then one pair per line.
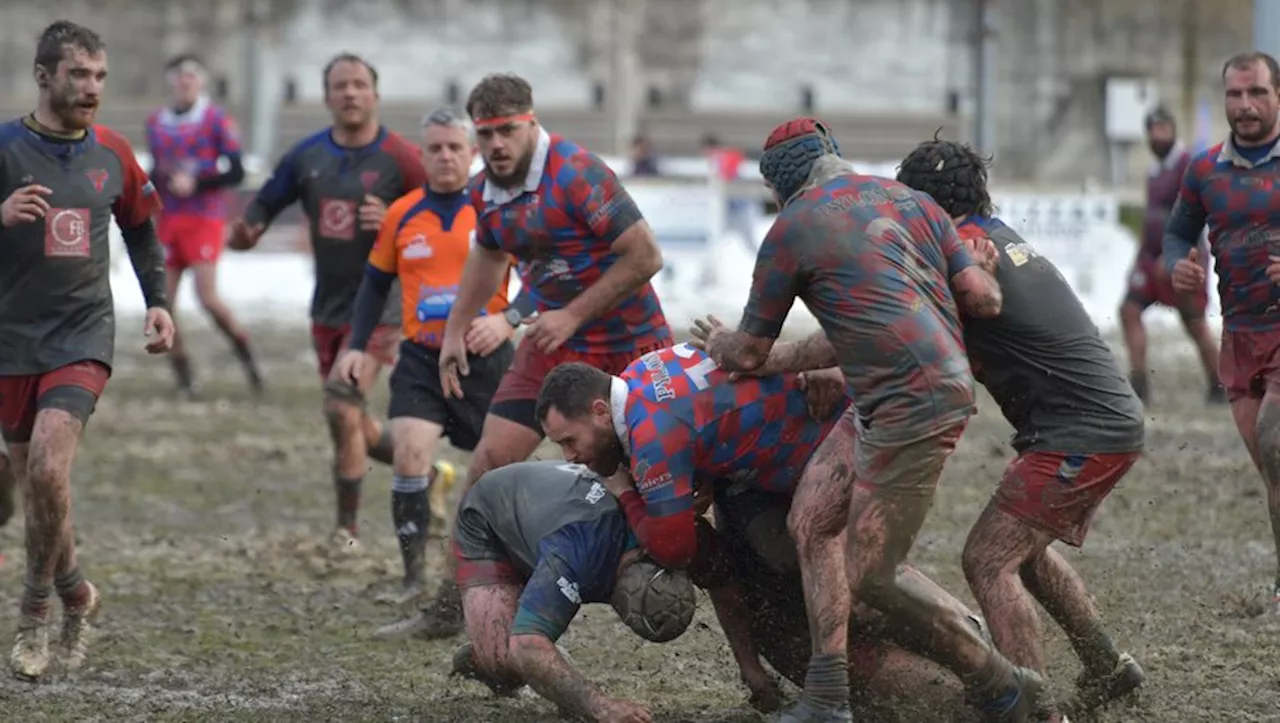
x,y
1227,188
67,179
1149,282
754,562
423,243
671,422
187,141
585,255
1078,429
877,263
344,176
533,541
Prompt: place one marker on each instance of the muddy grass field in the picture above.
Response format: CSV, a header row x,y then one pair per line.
x,y
204,525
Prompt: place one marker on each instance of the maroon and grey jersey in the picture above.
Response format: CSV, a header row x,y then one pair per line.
x,y
1164,180
331,181
56,306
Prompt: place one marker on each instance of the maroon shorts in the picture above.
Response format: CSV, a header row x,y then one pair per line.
x,y
517,394
189,240
73,388
1249,363
477,572
1059,493
331,341
1150,283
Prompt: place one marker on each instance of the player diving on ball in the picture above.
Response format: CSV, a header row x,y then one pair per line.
x,y
673,418
533,542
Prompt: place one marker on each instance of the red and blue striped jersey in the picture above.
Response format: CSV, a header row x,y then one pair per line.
x,y
560,227
1234,191
193,142
685,421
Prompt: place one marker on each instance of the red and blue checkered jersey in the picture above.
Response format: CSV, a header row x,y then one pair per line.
x,y
686,421
1234,191
560,227
192,142
872,260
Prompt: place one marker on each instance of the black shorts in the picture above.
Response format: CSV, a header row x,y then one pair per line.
x,y
416,391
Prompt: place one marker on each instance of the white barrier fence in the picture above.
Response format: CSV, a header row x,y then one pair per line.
x,y
709,246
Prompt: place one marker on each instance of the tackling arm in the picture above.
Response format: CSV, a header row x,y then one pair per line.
x,y
976,291
775,285
660,509
812,352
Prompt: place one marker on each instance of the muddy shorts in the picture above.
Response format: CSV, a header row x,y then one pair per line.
x,y
1249,363
1059,493
481,557
517,395
73,388
911,469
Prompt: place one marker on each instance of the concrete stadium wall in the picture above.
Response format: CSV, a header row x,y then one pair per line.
x,y
907,58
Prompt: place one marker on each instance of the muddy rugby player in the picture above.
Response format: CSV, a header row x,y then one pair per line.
x,y
1078,429
1229,188
533,542
671,431
843,243
64,179
424,243
344,176
585,255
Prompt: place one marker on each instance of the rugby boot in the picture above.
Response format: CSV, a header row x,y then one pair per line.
x,y
8,483
188,387
30,656
805,711
77,630
407,591
412,627
443,617
444,477
343,542
464,666
1017,705
1094,690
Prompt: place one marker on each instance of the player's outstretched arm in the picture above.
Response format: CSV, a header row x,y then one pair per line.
x,y
544,669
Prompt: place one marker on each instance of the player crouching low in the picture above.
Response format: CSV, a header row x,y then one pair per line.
x,y
533,541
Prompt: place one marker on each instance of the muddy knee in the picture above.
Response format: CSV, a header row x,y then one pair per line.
x,y
343,409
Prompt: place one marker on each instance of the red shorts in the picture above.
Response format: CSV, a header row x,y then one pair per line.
x,y
1249,363
73,388
189,240
1059,493
518,391
1150,283
331,341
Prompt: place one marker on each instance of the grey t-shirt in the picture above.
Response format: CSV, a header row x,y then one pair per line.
x,y
1043,360
526,502
56,306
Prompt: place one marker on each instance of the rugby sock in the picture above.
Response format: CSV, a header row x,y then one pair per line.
x,y
348,500
240,344
411,515
72,588
1096,650
827,682
35,599
384,449
995,687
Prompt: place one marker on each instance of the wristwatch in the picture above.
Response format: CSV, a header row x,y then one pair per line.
x,y
513,316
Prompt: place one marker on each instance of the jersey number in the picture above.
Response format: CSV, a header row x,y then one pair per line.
x,y
698,372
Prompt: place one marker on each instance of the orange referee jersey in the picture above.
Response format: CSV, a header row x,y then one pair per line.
x,y
424,240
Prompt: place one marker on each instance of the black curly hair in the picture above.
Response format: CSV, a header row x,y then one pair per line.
x,y
952,173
